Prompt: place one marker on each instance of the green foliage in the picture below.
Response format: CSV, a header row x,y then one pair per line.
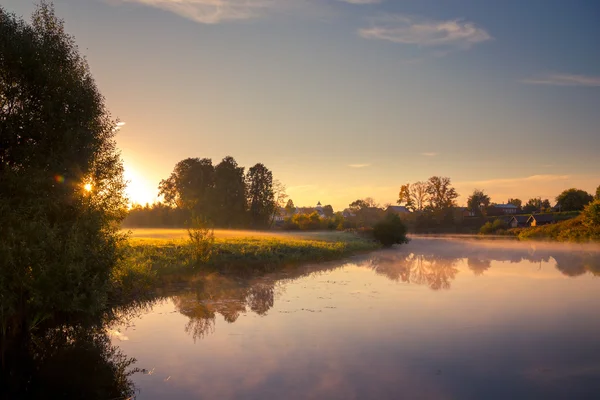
x,y
573,200
390,231
537,205
157,215
597,196
497,226
477,201
441,193
261,199
290,207
515,202
201,239
59,241
591,214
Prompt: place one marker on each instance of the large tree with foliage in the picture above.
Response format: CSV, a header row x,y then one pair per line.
x,y
261,199
60,172
441,193
515,202
190,186
573,200
414,196
478,201
597,196
229,197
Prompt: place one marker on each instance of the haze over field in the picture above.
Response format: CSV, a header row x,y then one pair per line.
x,y
347,99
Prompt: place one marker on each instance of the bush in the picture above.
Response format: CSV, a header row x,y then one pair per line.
x,y
201,239
390,231
591,214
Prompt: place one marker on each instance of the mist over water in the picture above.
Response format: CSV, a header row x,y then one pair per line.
x,y
437,318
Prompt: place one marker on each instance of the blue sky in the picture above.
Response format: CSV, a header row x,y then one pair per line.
x,y
345,100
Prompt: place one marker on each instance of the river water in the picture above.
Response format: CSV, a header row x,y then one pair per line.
x,y
434,319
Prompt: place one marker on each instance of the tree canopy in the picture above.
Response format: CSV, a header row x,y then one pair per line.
x,y
61,176
573,199
478,201
441,193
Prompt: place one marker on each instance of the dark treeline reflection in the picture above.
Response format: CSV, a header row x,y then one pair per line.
x,y
433,263
71,360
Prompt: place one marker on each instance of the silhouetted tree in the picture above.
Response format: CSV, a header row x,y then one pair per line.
x,y
229,196
597,196
61,177
441,193
573,200
261,199
290,207
190,186
515,202
328,211
478,201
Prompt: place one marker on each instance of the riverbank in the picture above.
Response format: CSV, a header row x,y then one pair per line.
x,y
148,260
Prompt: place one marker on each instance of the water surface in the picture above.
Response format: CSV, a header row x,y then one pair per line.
x,y
435,319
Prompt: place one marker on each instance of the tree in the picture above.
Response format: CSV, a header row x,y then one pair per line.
x,y
261,199
413,196
229,195
515,202
390,231
290,207
419,195
190,186
533,205
478,201
61,176
597,197
404,197
546,206
440,193
573,200
328,211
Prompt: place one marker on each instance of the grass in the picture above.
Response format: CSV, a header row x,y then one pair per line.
x,y
571,230
154,255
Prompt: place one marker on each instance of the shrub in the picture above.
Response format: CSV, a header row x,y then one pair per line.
x,y
390,231
202,240
591,214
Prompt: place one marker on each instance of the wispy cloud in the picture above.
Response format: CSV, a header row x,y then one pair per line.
x,y
429,154
512,181
564,80
359,165
450,34
213,11
362,1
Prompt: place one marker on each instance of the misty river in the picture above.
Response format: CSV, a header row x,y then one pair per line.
x,y
434,319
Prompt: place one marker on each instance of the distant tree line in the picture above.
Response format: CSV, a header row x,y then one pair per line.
x,y
222,195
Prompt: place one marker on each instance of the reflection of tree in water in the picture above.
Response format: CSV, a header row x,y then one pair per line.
x,y
576,264
224,295
421,269
66,362
478,266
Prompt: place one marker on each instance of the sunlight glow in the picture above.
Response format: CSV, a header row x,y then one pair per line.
x,y
138,190
88,187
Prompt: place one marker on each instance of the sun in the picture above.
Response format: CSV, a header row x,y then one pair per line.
x,y
138,190
88,187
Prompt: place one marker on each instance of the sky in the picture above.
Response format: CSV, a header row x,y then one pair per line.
x,y
346,99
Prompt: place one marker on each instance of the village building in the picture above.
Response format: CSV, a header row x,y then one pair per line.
x,y
519,221
507,209
541,219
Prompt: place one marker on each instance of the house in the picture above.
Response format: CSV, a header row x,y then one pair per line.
x,y
309,210
540,219
506,209
518,221
397,210
465,212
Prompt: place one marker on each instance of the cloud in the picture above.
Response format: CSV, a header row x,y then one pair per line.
x,y
212,11
564,80
513,181
429,154
359,165
362,1
450,34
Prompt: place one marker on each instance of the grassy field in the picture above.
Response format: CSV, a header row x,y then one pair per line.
x,y
153,255
152,235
